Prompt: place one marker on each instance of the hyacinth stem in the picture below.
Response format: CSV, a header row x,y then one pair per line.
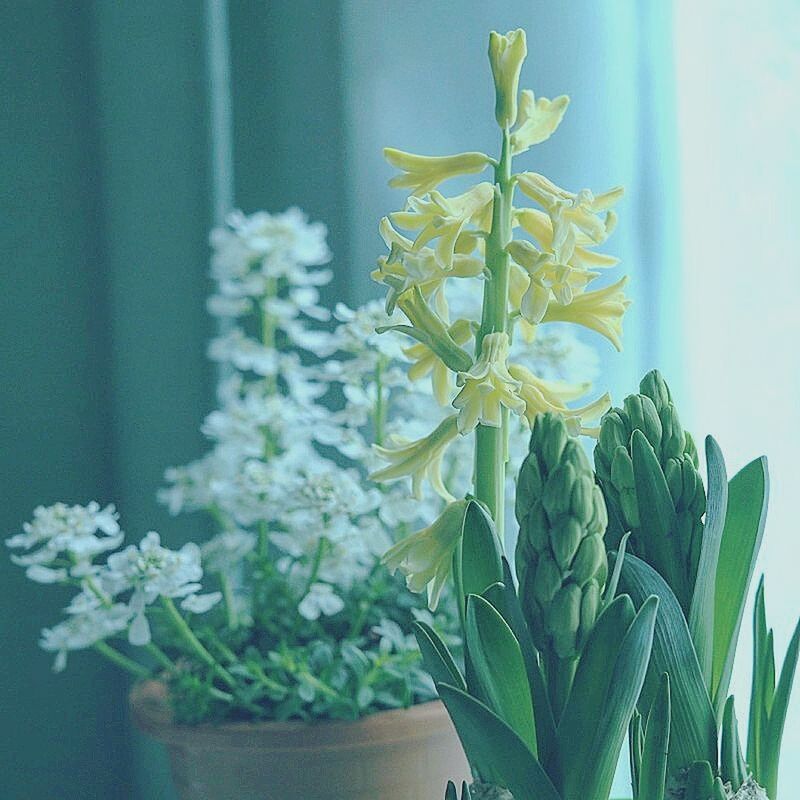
x,y
193,643
120,660
490,443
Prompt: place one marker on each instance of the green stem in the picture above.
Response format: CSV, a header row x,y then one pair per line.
x,y
268,326
316,564
194,644
560,675
230,601
490,443
379,413
115,657
160,656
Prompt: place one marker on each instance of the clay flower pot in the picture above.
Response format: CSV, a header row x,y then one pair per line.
x,y
408,754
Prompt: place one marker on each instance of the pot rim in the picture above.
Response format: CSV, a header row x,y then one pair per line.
x,y
149,704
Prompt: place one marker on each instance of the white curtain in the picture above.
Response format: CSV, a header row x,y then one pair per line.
x,y
738,81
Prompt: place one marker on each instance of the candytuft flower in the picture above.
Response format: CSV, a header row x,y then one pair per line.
x,y
426,557
506,54
423,173
487,386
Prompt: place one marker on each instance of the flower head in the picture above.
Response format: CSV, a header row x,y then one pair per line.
x,y
487,386
426,557
420,459
538,120
506,54
601,311
78,532
423,173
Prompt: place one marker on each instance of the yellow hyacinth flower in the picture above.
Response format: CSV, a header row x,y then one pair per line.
x,y
538,120
423,173
426,362
541,396
487,387
601,311
581,209
539,225
419,460
506,54
426,557
446,218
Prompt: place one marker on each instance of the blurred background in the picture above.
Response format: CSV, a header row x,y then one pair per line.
x,y
128,129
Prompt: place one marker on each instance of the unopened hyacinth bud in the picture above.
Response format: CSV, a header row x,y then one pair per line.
x,y
561,557
506,54
652,412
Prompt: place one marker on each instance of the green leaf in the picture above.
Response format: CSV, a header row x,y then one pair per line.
x,y
653,771
613,582
504,598
748,493
635,746
592,730
758,701
773,735
481,553
657,521
436,656
500,668
450,793
673,653
499,754
732,766
700,781
701,614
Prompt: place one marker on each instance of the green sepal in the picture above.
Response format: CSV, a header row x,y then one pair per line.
x,y
499,754
496,657
673,653
607,684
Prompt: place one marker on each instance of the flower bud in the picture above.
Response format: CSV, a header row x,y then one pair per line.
x,y
506,54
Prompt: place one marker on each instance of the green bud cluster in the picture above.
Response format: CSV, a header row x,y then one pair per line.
x,y
653,413
561,557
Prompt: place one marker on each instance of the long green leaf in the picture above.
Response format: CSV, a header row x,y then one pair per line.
x,y
481,553
758,700
500,668
499,754
701,614
731,762
673,653
653,770
635,747
589,746
772,737
613,582
436,656
748,493
504,598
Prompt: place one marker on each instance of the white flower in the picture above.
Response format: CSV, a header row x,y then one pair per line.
x,y
226,550
83,630
79,532
200,603
244,353
151,571
320,600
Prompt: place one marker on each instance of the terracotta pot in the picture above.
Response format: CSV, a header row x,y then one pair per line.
x,y
407,754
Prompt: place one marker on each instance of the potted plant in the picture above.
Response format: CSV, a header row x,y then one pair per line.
x,y
621,612
277,658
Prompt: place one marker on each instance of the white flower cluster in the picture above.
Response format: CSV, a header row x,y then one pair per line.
x,y
114,595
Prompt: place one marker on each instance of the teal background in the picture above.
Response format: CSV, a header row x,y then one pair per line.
x,y
108,193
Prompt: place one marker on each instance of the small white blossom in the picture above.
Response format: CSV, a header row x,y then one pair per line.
x,y
226,550
79,533
320,600
83,630
200,603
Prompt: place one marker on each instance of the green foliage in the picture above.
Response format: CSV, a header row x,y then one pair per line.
x,y
651,484
343,666
768,703
651,773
